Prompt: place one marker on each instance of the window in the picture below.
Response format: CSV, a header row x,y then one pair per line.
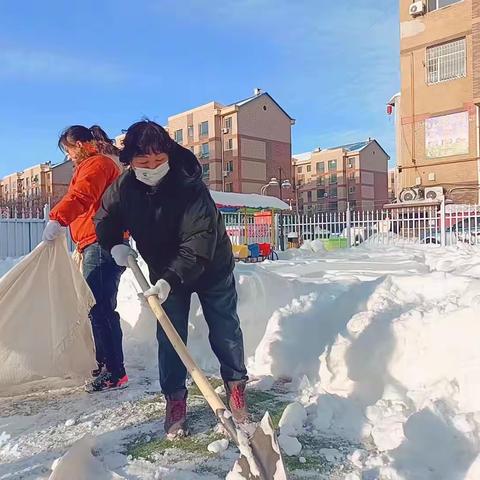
x,y
353,204
229,187
320,193
351,162
436,4
178,136
203,129
333,179
351,189
309,168
351,176
299,169
204,150
321,181
320,167
229,144
309,196
206,170
228,122
190,131
332,192
229,166
446,62
332,165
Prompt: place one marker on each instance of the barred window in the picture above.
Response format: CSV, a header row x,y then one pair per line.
x,y
436,4
446,61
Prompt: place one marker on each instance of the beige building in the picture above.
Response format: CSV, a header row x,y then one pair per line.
x,y
353,174
437,130
240,146
29,190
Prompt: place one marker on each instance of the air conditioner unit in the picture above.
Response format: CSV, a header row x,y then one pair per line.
x,y
416,9
434,194
225,173
225,130
411,194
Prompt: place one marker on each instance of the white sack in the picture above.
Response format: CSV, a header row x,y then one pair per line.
x,y
44,326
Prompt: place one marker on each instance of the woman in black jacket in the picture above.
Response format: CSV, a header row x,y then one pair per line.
x,y
162,201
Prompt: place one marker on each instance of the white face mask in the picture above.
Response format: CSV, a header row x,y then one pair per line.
x,y
151,176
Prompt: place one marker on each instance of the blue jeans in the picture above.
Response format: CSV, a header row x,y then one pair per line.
x,y
102,275
219,305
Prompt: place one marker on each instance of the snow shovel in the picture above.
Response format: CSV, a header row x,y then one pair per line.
x,y
260,457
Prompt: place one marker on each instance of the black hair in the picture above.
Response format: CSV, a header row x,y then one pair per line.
x,y
75,133
104,143
144,138
79,133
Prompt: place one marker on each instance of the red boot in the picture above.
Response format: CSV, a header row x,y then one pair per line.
x,y
176,414
236,400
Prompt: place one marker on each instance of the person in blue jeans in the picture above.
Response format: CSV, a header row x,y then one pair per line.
x,y
102,275
164,204
93,173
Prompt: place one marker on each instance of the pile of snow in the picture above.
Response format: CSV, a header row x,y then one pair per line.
x,y
377,345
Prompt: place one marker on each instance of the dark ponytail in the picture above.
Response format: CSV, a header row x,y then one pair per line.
x,y
73,134
104,143
94,135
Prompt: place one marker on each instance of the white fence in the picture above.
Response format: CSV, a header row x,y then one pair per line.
x,y
19,236
427,224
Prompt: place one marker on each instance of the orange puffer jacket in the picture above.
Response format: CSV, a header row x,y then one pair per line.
x,y
83,198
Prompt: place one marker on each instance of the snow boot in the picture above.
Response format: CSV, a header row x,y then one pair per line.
x,y
106,381
236,401
176,415
97,371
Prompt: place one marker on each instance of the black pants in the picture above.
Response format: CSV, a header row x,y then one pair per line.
x,y
102,275
219,305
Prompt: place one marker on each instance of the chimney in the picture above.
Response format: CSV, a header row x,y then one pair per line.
x,y
257,91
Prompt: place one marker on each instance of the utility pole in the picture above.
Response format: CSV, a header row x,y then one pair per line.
x,y
280,220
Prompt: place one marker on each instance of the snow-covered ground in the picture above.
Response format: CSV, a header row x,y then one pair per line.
x,y
373,349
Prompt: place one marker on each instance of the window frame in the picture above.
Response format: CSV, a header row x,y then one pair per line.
x,y
428,72
207,153
332,169
440,8
180,142
201,132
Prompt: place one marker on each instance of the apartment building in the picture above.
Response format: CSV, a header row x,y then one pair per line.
x,y
437,129
330,179
241,146
29,190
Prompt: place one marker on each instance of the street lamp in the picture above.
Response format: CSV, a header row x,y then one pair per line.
x,y
272,183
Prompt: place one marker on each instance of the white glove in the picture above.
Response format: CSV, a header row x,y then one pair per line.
x,y
161,289
120,254
52,230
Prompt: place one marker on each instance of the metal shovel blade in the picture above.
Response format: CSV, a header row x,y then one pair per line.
x,y
260,455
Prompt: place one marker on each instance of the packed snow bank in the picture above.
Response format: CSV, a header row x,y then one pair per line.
x,y
379,345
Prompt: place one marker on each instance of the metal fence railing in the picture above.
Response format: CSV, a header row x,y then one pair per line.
x,y
427,224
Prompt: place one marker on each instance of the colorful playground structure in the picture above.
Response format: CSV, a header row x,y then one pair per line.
x,y
250,224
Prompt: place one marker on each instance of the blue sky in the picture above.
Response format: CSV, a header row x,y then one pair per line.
x,y
332,66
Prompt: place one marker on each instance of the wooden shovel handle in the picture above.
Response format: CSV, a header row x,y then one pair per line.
x,y
198,376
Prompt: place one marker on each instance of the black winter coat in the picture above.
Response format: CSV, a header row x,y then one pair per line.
x,y
176,226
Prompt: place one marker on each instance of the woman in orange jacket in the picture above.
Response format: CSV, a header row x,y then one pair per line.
x,y
94,172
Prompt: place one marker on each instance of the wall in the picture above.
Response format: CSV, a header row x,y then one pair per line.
x,y
265,131
421,101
